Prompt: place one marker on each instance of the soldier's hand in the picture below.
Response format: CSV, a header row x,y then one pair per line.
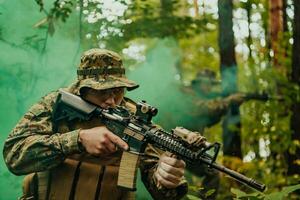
x,y
100,141
236,98
196,140
170,171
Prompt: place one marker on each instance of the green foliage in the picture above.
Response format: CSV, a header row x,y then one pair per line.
x,y
192,197
167,41
194,190
40,3
242,195
198,53
261,196
61,10
141,19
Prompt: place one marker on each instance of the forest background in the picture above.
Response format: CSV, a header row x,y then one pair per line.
x,y
252,46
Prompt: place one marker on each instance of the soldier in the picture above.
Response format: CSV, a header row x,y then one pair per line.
x,y
209,99
80,159
211,106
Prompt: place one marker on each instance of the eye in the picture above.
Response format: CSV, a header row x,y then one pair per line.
x,y
119,90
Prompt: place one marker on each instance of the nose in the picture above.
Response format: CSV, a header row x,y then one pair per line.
x,y
111,101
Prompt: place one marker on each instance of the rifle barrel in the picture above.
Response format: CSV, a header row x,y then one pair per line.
x,y
239,177
262,97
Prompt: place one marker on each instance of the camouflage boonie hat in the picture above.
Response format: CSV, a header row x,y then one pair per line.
x,y
206,76
102,69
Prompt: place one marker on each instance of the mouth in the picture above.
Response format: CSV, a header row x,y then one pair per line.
x,y
106,106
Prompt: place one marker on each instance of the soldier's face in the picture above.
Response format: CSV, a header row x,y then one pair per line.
x,y
205,88
104,98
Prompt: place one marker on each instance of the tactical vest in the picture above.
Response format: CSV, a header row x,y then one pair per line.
x,y
80,176
76,179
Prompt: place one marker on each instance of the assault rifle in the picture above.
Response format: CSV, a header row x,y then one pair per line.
x,y
137,130
261,97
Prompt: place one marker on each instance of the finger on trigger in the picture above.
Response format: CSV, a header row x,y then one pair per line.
x,y
111,146
118,141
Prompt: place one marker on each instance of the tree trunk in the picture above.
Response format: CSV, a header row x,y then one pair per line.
x,y
276,27
249,39
231,123
195,2
293,168
284,16
166,8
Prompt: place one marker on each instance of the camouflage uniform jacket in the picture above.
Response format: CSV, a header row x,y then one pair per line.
x,y
32,146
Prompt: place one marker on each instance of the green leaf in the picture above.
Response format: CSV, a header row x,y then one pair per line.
x,y
192,197
284,192
51,28
240,194
195,188
237,192
209,192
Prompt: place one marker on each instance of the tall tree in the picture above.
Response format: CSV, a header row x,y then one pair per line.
x,y
231,123
284,16
166,8
195,2
248,8
293,167
276,28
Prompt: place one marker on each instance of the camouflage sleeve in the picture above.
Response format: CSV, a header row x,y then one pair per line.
x,y
213,106
148,166
32,146
213,109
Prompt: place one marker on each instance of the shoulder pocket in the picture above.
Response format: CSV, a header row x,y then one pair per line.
x,y
37,110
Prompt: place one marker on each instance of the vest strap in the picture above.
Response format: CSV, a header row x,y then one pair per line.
x,y
63,180
88,181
